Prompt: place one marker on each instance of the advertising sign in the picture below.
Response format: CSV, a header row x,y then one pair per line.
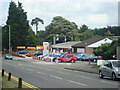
x,y
45,48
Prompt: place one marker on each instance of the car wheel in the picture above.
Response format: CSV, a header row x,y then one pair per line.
x,y
113,76
100,74
72,61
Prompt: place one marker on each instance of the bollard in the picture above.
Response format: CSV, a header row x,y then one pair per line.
x,y
9,76
20,83
2,72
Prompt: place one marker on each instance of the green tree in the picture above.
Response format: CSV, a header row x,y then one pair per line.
x,y
36,22
62,27
83,28
17,19
107,50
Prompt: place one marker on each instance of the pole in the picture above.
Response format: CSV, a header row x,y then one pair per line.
x,y
9,40
20,83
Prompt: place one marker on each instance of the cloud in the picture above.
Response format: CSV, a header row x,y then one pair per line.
x,y
92,13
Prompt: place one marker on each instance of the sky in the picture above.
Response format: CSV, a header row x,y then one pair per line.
x,y
94,14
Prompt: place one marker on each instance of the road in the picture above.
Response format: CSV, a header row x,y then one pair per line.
x,y
48,75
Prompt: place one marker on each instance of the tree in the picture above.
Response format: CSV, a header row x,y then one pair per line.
x,y
17,19
106,50
62,27
36,22
83,28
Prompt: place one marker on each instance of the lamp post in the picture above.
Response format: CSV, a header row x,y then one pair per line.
x,y
9,40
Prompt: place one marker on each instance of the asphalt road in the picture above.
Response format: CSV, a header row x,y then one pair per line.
x,y
47,75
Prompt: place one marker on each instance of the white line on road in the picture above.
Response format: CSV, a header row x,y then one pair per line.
x,y
41,73
56,77
29,70
76,82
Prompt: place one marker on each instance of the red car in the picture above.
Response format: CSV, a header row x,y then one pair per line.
x,y
67,58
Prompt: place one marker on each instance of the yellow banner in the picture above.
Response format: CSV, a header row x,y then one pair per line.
x,y
21,47
31,47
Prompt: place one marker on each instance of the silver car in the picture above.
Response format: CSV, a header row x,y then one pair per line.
x,y
111,68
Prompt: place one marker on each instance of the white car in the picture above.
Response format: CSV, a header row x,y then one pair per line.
x,y
111,68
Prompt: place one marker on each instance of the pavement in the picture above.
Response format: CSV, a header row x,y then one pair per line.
x,y
77,66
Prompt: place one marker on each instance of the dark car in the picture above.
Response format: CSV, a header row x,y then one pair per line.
x,y
22,52
39,53
8,56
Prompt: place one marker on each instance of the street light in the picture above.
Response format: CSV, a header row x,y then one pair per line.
x,y
9,40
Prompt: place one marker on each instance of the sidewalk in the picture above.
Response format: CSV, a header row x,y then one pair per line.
x,y
83,66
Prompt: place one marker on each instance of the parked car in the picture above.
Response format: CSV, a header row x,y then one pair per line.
x,y
39,53
29,54
111,68
86,57
66,58
42,56
22,52
8,56
52,57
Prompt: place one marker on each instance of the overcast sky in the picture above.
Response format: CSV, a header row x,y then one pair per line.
x,y
95,14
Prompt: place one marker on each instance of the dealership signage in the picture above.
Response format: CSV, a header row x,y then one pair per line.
x,y
45,48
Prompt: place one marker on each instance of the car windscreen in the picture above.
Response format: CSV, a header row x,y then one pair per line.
x,y
116,63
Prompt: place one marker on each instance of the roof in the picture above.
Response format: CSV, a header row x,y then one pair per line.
x,y
65,44
88,42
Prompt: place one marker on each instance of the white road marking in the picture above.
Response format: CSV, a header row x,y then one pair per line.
x,y
41,73
108,82
56,77
29,70
76,82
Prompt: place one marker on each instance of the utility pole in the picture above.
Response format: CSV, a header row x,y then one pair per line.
x,y
9,40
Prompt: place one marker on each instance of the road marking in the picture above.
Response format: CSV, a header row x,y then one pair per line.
x,y
69,80
23,82
76,82
108,82
56,77
41,73
29,70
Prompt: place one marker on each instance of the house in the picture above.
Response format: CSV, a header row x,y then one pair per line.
x,y
63,47
87,46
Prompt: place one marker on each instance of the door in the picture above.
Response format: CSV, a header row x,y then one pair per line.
x,y
108,69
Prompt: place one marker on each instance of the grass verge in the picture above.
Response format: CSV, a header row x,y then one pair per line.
x,y
10,84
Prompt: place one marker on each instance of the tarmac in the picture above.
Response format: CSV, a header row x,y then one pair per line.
x,y
77,66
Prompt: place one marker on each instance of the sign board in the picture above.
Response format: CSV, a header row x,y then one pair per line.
x,y
21,47
31,47
45,48
80,50
39,47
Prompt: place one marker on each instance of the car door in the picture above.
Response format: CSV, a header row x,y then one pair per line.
x,y
65,58
68,58
108,69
